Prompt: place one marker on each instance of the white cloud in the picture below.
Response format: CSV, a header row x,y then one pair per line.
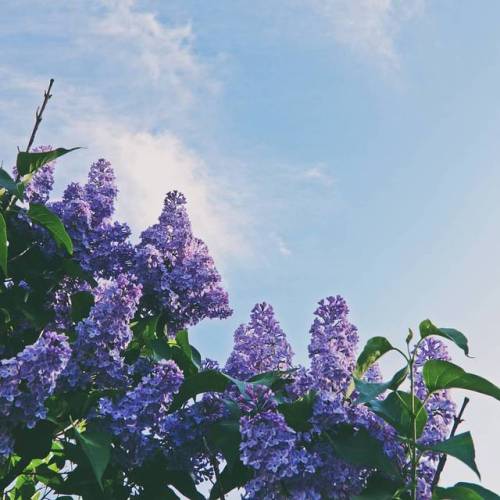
x,y
369,27
319,174
281,245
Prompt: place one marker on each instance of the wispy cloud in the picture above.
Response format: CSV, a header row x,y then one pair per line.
x,y
368,27
126,92
318,173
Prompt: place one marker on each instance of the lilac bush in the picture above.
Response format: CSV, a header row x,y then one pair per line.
x,y
102,395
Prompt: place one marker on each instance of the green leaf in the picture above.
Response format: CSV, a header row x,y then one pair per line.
x,y
368,391
81,304
274,379
48,219
298,413
205,381
3,245
395,409
485,493
36,442
233,476
97,447
379,487
184,483
439,374
460,446
359,447
456,493
7,182
225,436
428,328
373,350
182,339
29,163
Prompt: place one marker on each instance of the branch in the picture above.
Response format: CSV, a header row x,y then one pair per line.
x,y
457,420
39,112
215,466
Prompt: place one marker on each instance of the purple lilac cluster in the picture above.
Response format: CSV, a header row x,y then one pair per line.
x,y
260,346
440,408
103,336
332,349
26,381
177,271
101,246
136,419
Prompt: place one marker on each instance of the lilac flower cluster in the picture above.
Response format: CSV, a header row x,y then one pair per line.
x,y
260,346
333,345
136,419
176,270
104,335
26,381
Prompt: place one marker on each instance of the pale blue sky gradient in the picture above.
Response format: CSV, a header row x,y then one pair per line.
x,y
325,146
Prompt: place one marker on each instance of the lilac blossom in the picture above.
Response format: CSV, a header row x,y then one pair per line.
x,y
259,346
136,419
332,349
103,335
177,272
27,380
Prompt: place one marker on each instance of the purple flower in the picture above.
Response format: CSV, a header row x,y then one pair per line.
x,y
332,349
260,346
27,380
137,419
101,191
177,272
103,336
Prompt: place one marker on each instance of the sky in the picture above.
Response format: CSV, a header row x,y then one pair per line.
x,y
325,147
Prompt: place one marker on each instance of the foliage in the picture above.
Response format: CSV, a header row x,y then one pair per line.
x,y
102,396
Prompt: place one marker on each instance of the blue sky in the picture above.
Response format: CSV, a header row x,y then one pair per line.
x,y
325,146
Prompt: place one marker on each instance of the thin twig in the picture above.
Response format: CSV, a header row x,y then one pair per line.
x,y
215,466
39,112
457,420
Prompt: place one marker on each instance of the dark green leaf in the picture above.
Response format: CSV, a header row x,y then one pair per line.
x,y
7,182
379,487
225,437
439,374
374,349
36,442
298,413
359,447
460,446
428,328
3,245
182,339
48,219
183,482
233,476
29,163
81,304
368,391
485,493
205,381
395,409
455,493
97,447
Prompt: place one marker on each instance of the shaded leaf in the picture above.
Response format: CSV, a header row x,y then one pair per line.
x,y
485,493
298,413
7,182
97,447
428,328
373,350
3,245
368,391
379,487
233,476
81,304
395,409
439,374
48,219
460,446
